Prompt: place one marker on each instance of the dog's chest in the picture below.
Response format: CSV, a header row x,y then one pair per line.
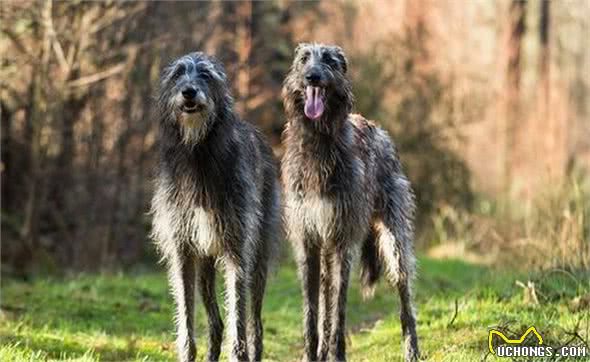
x,y
312,213
203,230
183,221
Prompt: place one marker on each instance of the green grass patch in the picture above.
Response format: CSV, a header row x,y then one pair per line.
x,y
128,317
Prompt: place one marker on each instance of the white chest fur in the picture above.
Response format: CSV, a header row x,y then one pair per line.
x,y
173,224
203,231
311,213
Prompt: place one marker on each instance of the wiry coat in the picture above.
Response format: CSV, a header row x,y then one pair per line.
x,y
217,197
344,189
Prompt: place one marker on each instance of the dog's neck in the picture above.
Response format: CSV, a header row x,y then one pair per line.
x,y
318,152
326,131
313,158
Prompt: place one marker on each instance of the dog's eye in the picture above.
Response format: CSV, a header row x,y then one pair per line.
x,y
180,69
205,74
304,58
327,58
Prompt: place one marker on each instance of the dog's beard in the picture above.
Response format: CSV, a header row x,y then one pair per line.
x,y
192,120
193,126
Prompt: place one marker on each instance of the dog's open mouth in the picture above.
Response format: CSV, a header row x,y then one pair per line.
x,y
314,102
192,107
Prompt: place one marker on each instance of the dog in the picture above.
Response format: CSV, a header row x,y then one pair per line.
x,y
344,190
217,199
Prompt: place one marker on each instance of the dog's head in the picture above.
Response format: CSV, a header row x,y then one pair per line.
x,y
193,89
317,84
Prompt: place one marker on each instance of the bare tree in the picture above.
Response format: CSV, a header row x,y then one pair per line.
x,y
513,50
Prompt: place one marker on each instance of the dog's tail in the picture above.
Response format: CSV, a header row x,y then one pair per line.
x,y
371,265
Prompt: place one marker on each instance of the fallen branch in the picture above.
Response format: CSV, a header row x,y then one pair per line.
x,y
455,314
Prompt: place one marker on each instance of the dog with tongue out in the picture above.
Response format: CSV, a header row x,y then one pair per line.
x,y
345,192
317,88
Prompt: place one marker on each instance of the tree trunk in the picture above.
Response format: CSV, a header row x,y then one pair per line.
x,y
516,30
551,132
244,45
544,54
35,111
7,169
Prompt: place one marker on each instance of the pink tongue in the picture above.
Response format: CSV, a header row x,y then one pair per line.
x,y
314,105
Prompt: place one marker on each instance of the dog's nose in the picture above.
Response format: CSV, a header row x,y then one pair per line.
x,y
313,77
189,93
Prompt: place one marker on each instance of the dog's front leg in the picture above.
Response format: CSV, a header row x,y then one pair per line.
x,y
235,290
309,271
326,302
335,272
207,290
340,276
181,273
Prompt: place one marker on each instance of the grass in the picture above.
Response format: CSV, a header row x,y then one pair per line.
x,y
125,317
504,230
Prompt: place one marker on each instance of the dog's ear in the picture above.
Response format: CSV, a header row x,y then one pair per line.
x,y
341,58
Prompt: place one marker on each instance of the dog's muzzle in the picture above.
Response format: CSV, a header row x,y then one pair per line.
x,y
193,100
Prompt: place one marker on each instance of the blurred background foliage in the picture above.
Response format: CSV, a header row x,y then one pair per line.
x,y
488,103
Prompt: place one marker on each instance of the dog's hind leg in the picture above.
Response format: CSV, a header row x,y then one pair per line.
x,y
396,251
269,238
257,296
408,321
235,289
399,265
206,275
181,273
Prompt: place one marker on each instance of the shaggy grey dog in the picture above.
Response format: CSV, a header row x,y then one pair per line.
x,y
217,198
345,190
